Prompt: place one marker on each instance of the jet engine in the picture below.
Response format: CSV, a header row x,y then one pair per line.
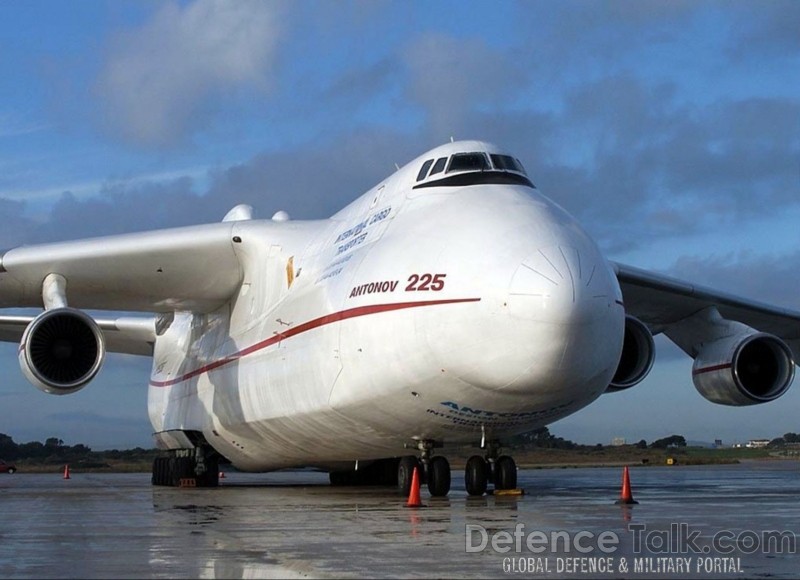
x,y
744,369
62,350
638,354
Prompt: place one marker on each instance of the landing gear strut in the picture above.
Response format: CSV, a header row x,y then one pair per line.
x,y
493,468
197,467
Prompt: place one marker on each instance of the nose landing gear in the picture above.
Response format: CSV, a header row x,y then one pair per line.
x,y
480,471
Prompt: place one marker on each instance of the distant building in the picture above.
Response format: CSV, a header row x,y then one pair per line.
x,y
618,441
756,443
717,442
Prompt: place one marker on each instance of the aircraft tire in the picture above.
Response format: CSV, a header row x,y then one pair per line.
x,y
476,475
505,473
157,469
439,476
405,473
209,478
173,472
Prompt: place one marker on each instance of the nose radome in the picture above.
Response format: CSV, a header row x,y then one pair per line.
x,y
561,284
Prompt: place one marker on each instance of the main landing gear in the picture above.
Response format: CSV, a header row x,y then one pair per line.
x,y
436,475
197,467
434,470
480,471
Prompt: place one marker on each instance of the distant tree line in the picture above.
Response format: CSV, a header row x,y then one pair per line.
x,y
543,439
667,442
787,440
53,450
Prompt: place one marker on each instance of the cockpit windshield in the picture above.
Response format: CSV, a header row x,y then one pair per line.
x,y
468,162
507,163
472,168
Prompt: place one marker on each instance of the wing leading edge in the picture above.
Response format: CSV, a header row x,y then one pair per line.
x,y
662,302
192,268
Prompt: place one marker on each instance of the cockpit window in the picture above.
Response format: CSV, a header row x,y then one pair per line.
x,y
439,166
423,171
468,162
473,168
507,163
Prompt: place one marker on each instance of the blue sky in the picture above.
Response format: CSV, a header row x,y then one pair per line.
x,y
670,129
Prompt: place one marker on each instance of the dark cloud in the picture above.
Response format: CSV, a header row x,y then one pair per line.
x,y
314,182
649,167
309,183
765,29
568,42
122,208
16,226
362,85
765,278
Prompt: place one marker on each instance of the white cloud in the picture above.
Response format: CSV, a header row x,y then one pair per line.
x,y
160,80
14,125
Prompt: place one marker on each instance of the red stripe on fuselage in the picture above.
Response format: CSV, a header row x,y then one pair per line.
x,y
306,326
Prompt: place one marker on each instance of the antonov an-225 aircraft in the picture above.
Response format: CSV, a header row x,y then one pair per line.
x,y
451,303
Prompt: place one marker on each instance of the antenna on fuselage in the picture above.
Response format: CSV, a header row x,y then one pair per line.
x,y
452,140
397,167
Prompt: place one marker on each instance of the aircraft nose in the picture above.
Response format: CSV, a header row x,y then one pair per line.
x,y
562,284
565,301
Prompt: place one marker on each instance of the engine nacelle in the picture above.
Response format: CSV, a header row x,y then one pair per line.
x,y
638,355
62,350
744,369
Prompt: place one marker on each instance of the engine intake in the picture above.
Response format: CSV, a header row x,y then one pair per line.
x,y
62,350
638,355
744,370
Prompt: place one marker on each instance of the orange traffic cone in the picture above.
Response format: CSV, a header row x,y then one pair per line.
x,y
413,494
66,471
626,497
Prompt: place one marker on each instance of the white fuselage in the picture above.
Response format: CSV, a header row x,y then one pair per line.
x,y
438,313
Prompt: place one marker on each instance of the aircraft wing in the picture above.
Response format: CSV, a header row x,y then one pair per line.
x,y
126,335
661,301
192,268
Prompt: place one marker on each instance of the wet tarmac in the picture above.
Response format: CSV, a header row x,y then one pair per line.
x,y
737,521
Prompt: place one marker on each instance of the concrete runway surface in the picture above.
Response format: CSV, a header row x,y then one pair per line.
x,y
739,521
